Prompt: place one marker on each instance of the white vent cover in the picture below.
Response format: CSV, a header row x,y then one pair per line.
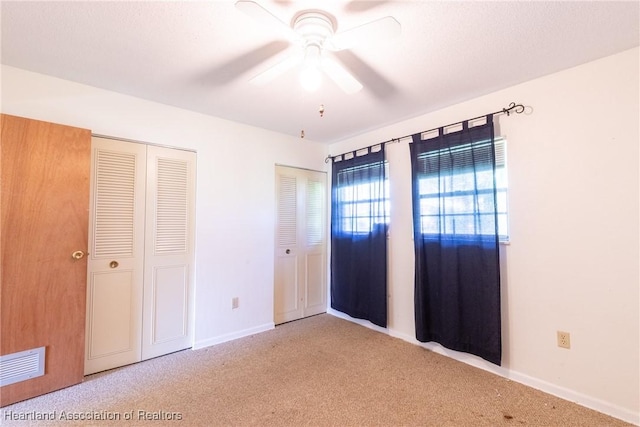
x,y
21,366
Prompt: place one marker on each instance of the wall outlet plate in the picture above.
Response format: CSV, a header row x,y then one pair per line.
x,y
564,339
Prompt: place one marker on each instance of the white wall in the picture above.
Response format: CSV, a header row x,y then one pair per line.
x,y
572,263
235,201
573,260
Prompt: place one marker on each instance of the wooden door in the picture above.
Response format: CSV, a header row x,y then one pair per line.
x,y
300,250
116,262
44,220
169,251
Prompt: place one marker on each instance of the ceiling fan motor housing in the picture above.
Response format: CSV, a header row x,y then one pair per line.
x,y
314,30
314,27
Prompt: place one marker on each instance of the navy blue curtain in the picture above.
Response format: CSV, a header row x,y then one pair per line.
x,y
359,215
457,270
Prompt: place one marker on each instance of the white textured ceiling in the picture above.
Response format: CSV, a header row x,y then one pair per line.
x,y
200,55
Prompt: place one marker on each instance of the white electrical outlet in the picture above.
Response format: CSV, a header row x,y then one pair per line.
x,y
235,302
564,339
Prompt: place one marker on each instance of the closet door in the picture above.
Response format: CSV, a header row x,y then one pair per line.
x,y
287,299
169,251
141,268
116,260
313,241
300,247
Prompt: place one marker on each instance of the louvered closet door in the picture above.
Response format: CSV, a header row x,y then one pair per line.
x,y
314,244
300,244
169,251
287,299
116,254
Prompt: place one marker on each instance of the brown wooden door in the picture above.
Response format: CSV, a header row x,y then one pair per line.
x,y
44,215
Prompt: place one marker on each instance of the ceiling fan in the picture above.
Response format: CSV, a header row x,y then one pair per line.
x,y
313,35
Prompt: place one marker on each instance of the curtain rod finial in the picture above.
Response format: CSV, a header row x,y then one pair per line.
x,y
513,107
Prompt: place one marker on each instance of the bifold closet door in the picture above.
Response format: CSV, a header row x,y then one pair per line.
x,y
169,251
300,247
141,263
116,254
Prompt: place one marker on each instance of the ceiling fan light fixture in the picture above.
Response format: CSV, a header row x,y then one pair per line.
x,y
310,78
311,72
314,31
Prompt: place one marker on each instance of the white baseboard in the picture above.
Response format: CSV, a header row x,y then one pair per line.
x,y
576,397
233,336
365,323
555,390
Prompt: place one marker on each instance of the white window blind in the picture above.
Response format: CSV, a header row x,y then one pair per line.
x,y
454,195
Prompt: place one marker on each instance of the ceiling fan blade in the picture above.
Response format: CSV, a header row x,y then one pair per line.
x,y
340,76
361,6
276,70
369,33
229,71
376,84
266,18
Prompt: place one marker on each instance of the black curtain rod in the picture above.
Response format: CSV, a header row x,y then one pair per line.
x,y
512,108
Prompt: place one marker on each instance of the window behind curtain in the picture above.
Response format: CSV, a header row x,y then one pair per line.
x,y
359,217
363,203
457,266
456,199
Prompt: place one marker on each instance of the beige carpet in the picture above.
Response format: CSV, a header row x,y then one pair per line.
x,y
317,371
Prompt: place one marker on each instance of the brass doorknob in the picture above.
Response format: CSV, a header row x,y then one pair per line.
x,y
77,255
113,264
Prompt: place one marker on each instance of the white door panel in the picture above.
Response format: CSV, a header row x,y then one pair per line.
x,y
115,262
169,251
315,245
287,298
300,263
287,304
112,322
170,304
112,295
316,293
140,273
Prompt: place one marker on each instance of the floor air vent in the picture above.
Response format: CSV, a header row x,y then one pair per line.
x,y
21,366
